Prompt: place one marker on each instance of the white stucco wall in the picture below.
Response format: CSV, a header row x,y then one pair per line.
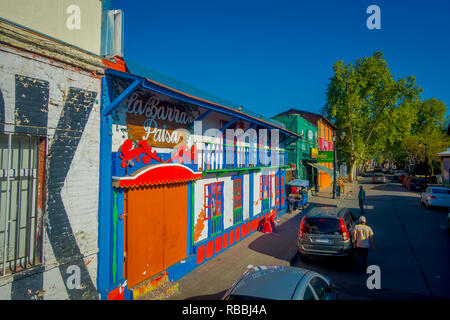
x,y
79,185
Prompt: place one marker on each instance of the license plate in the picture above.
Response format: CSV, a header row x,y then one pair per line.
x,y
322,241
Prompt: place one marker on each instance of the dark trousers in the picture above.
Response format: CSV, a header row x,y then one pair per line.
x,y
361,206
362,253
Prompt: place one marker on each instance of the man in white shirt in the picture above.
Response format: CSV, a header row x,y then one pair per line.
x,y
362,241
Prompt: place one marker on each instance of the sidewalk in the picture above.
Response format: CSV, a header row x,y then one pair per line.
x,y
214,277
325,196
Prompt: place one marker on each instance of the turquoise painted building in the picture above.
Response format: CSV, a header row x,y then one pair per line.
x,y
301,152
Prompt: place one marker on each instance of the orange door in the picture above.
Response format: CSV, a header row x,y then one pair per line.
x,y
175,223
155,230
144,233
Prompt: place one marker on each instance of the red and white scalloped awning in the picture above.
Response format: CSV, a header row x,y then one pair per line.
x,y
157,174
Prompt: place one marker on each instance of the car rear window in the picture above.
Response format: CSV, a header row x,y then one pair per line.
x,y
321,226
440,191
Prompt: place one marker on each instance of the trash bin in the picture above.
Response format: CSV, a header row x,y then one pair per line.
x,y
338,191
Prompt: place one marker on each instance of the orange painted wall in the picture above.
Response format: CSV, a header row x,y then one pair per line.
x,y
325,132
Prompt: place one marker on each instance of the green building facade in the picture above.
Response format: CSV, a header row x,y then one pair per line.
x,y
299,152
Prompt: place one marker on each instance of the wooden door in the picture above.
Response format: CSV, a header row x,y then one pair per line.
x,y
156,230
144,233
175,223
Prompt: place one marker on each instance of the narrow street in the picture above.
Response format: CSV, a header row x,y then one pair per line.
x,y
412,250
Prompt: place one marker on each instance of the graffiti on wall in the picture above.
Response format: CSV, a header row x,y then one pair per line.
x,y
31,111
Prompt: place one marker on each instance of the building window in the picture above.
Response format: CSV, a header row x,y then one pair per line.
x,y
22,171
265,192
237,201
214,207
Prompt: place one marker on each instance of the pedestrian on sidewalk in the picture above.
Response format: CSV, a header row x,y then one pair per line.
x,y
362,198
362,241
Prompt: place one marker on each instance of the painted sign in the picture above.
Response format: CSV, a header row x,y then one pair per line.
x,y
325,156
314,153
161,123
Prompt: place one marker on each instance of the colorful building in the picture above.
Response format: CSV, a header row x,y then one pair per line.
x,y
305,150
110,178
325,130
175,192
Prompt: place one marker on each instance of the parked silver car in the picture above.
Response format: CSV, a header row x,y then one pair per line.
x,y
436,197
281,283
379,178
326,231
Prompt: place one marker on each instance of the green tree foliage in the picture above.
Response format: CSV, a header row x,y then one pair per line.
x,y
382,116
371,107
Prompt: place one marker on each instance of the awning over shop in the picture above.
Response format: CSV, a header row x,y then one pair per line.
x,y
322,168
157,174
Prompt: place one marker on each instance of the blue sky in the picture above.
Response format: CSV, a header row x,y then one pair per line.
x,y
272,55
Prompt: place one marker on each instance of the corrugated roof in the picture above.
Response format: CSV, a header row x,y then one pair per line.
x,y
300,112
143,71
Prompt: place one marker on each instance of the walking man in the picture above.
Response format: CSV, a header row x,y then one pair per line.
x,y
362,241
361,198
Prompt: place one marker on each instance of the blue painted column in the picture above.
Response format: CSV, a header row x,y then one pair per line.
x,y
251,192
189,242
104,275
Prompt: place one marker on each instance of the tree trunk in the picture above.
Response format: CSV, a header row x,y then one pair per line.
x,y
352,170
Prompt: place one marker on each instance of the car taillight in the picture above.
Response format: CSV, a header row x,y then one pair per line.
x,y
432,197
300,231
345,234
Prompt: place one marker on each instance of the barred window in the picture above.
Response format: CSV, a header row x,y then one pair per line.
x,y
22,169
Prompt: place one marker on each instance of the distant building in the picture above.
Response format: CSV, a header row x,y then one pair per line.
x,y
86,24
325,132
445,166
303,151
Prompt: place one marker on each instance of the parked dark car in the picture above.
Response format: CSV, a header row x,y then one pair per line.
x,y
402,177
405,180
281,283
326,231
415,184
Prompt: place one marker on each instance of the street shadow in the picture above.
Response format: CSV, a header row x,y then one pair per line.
x,y
214,296
282,242
321,263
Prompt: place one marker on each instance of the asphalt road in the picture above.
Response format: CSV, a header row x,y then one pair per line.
x,y
412,248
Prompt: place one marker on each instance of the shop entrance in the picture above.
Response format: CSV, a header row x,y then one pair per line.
x,y
155,230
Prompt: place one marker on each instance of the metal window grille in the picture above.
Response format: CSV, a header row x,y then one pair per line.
x,y
22,162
